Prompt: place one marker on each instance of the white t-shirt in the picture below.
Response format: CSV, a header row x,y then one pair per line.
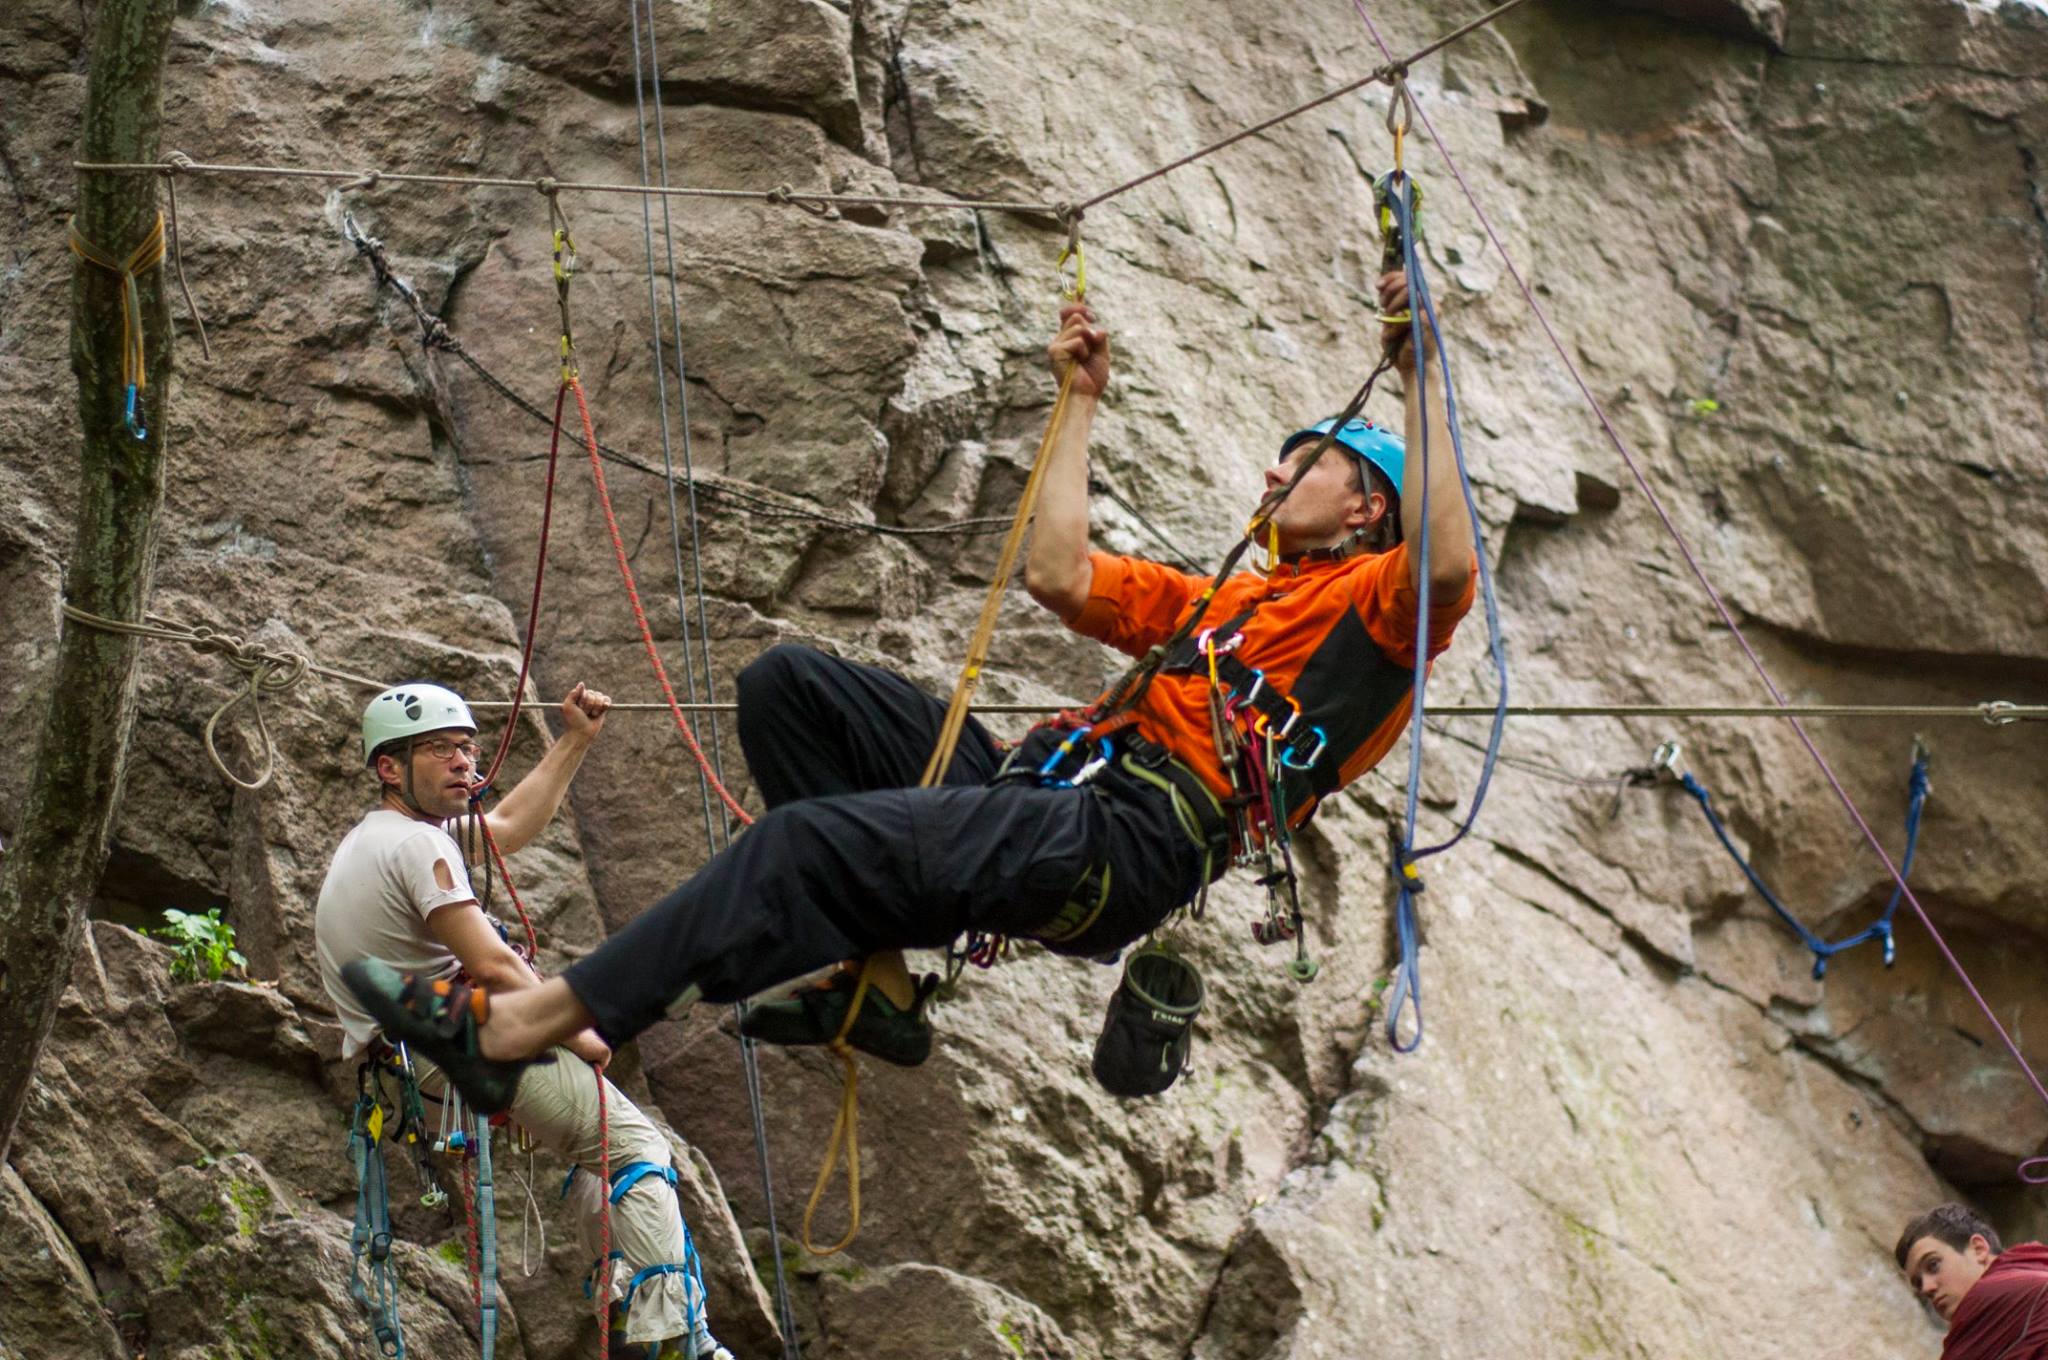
x,y
375,902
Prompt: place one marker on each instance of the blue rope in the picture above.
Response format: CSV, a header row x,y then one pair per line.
x,y
1880,929
1407,990
370,1240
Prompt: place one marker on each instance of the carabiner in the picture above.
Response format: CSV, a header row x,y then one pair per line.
x,y
1308,761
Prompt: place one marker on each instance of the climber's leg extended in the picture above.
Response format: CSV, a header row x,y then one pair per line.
x,y
824,879
814,725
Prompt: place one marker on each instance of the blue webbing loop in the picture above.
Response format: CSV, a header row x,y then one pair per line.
x,y
370,1239
1880,929
1408,977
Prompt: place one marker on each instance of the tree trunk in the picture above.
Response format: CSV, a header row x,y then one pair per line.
x,y
52,870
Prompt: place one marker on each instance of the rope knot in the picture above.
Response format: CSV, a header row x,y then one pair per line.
x,y
177,163
781,193
548,185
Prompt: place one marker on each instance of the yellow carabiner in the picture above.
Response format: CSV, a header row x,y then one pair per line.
x,y
1077,289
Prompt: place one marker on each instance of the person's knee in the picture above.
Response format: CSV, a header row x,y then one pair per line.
x,y
773,677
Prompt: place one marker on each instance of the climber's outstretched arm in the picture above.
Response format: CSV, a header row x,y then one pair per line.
x,y
1450,521
1057,571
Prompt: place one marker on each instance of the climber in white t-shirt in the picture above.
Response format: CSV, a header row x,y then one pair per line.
x,y
399,890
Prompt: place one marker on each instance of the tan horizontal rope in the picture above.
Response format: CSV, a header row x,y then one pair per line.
x,y
179,164
1994,712
268,672
176,163
272,672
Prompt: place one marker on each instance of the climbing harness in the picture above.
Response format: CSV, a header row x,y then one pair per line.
x,y
597,1282
2033,1170
1917,788
144,257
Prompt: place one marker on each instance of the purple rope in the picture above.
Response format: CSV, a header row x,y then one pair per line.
x,y
2033,1170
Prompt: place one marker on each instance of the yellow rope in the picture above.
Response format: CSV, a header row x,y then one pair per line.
x,y
844,1144
145,257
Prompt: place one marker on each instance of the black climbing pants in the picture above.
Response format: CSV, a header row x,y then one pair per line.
x,y
851,858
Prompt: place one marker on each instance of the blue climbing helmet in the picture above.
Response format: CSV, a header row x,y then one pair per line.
x,y
1362,439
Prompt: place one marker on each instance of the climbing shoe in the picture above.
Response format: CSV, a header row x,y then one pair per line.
x,y
439,1018
1145,1037
814,1015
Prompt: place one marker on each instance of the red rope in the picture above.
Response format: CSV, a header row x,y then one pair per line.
x,y
603,1287
611,522
476,1254
491,845
540,570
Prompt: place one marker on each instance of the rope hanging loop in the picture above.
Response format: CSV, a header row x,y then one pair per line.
x,y
143,258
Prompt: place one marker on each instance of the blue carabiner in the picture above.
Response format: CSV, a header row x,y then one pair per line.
x,y
134,423
1062,751
1308,761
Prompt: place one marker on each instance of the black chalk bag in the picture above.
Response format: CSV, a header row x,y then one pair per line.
x,y
1151,1019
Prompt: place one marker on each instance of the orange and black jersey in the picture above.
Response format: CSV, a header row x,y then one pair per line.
x,y
1339,637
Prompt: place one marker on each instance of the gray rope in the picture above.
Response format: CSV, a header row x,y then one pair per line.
x,y
785,1311
783,194
369,179
1990,712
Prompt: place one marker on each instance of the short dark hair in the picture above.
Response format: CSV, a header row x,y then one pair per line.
x,y
1952,1223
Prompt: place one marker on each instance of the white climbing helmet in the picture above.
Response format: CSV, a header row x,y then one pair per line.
x,y
408,711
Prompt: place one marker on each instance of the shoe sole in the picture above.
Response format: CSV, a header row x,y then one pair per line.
x,y
811,1039
487,1085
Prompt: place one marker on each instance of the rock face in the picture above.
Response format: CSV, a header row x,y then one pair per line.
x,y
1799,252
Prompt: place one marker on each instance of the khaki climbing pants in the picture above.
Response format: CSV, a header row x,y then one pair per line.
x,y
557,1104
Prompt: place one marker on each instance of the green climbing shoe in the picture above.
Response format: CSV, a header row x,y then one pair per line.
x,y
814,1015
439,1019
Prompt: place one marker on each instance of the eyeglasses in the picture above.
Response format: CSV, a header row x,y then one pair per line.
x,y
447,748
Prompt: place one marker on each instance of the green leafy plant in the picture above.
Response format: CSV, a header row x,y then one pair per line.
x,y
202,947
1702,407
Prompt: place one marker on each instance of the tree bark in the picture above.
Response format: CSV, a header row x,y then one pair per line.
x,y
52,871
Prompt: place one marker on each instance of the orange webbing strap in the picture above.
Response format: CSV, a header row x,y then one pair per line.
x,y
844,1144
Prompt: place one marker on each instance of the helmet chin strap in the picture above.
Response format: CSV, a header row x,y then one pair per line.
x,y
405,793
